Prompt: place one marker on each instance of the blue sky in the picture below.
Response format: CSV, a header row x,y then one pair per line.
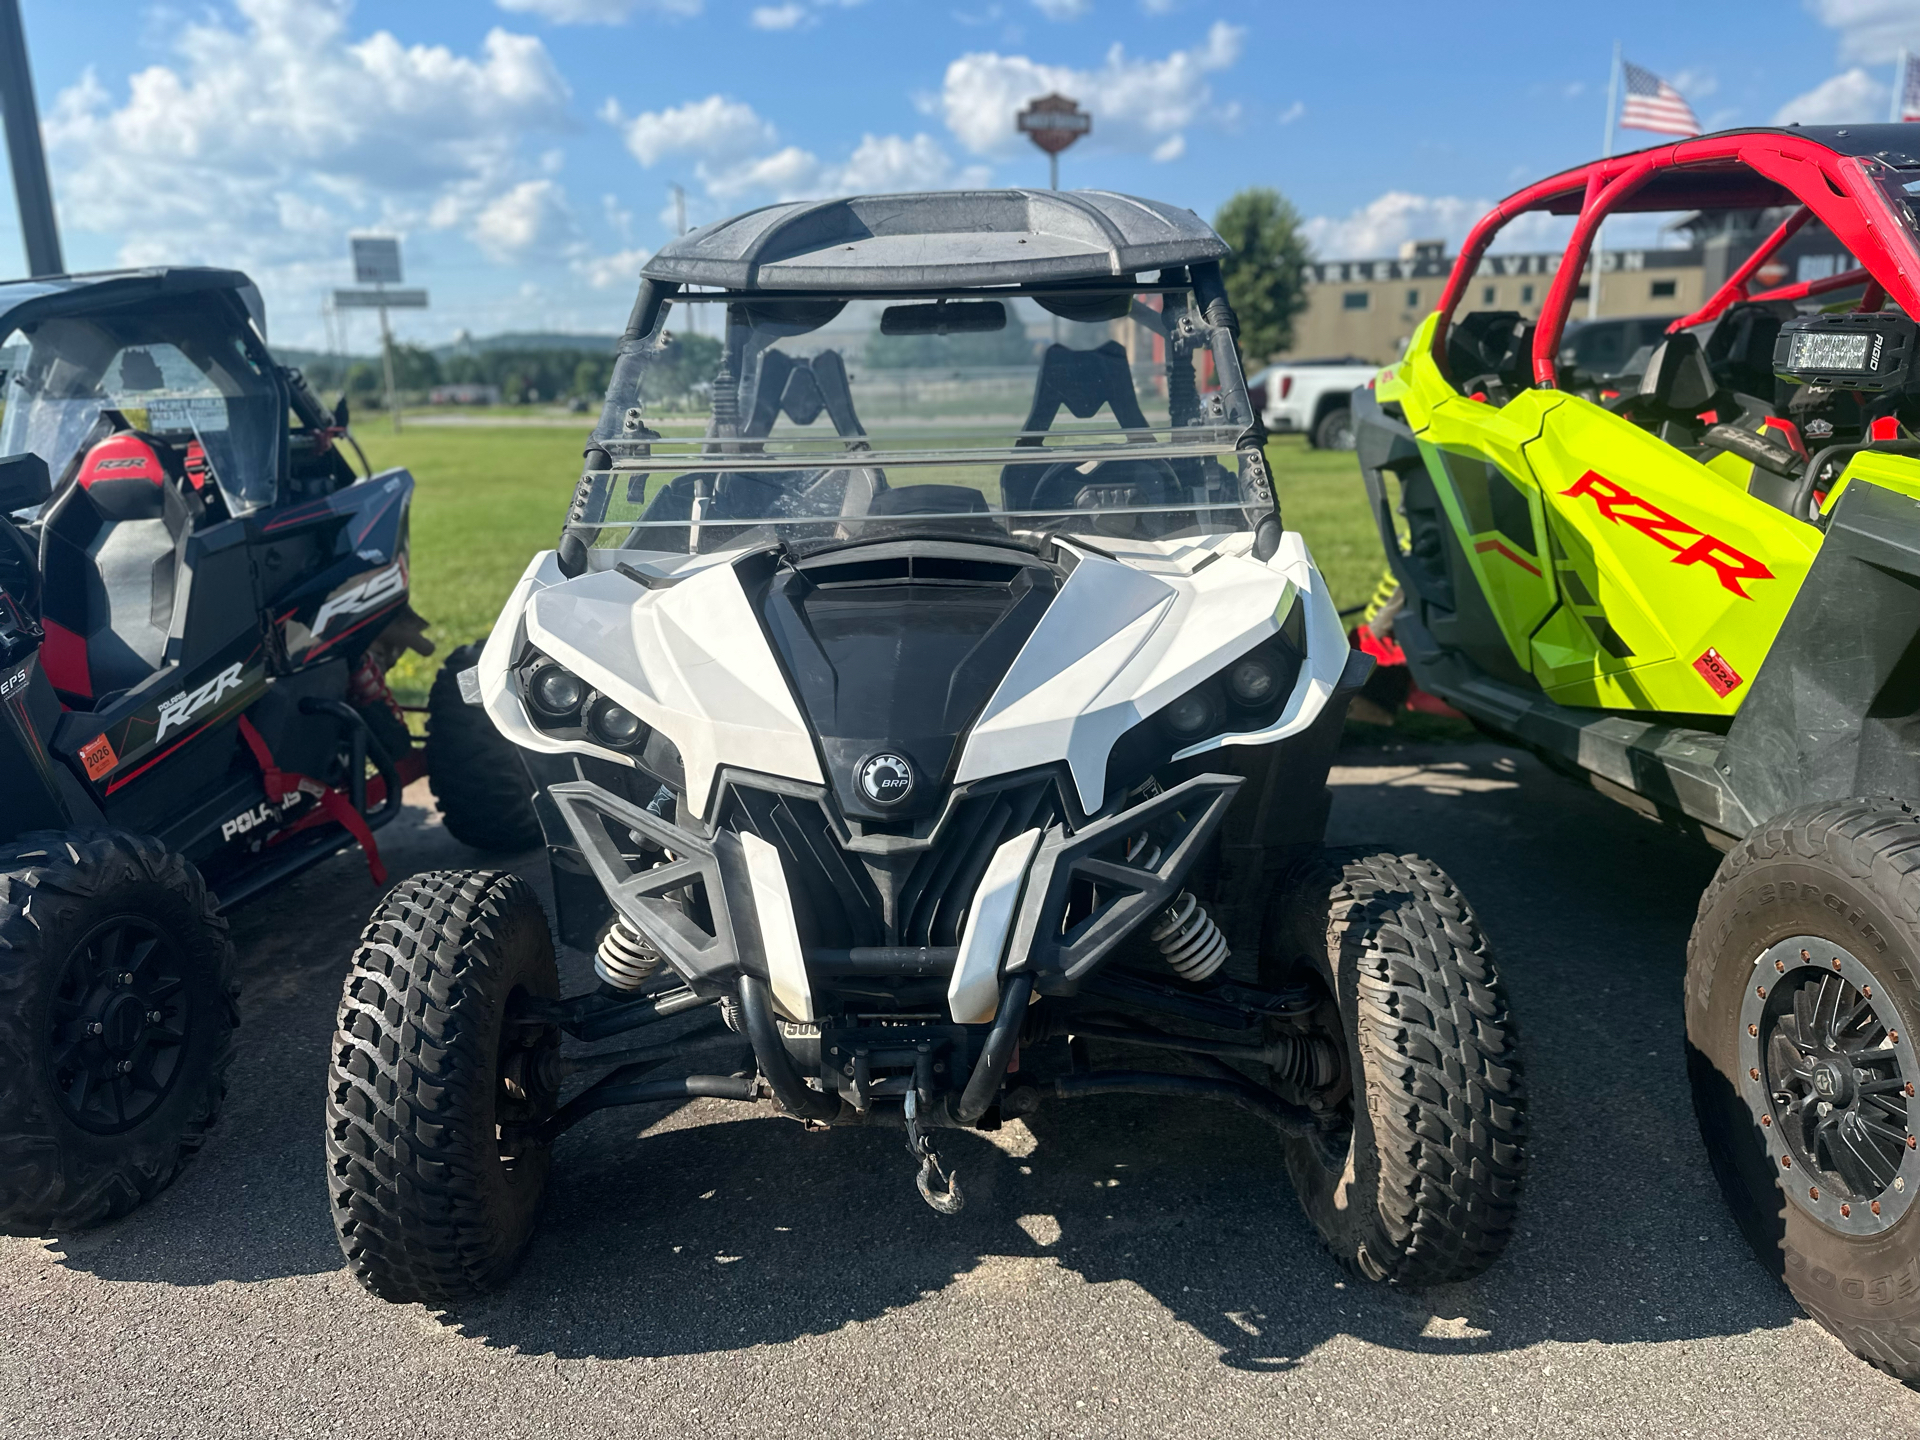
x,y
524,149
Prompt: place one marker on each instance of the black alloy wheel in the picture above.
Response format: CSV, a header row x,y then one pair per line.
x,y
118,1024
1830,1082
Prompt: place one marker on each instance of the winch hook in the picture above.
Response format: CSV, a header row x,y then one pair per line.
x,y
947,1201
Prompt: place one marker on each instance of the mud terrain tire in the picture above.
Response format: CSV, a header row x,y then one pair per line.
x,y
1422,1186
79,909
1845,873
476,776
430,1199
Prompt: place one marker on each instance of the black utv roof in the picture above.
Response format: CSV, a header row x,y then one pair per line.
x,y
949,238
22,302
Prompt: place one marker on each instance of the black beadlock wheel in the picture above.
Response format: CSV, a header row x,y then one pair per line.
x,y
1416,1179
475,774
435,1087
1801,985
117,1008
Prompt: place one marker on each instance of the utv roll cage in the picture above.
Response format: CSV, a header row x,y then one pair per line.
x,y
1830,173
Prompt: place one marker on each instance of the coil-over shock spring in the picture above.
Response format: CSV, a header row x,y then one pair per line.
x,y
1186,936
625,960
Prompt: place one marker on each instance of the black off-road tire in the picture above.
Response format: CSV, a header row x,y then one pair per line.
x,y
1335,430
431,1200
1848,873
476,776
62,895
1420,1185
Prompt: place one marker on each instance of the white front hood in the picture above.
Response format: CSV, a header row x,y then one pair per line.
x,y
1137,624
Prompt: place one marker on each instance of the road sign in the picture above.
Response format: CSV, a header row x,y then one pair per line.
x,y
379,299
1053,122
376,260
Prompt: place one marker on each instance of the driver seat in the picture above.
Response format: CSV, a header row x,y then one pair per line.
x,y
112,553
1678,386
1081,381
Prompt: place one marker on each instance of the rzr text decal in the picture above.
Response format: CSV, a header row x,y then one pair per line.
x,y
1691,546
189,703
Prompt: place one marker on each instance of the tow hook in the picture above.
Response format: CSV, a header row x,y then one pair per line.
x,y
949,1200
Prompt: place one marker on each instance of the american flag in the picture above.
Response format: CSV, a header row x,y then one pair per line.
x,y
1652,104
1909,83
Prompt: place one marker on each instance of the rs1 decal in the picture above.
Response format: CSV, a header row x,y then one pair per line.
x,y
189,703
1691,546
376,589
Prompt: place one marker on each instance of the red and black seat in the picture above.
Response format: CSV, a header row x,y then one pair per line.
x,y
111,550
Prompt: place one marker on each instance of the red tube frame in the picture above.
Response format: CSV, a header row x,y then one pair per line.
x,y
1736,287
1838,189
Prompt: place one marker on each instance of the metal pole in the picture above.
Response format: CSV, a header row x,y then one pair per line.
x,y
386,353
1895,110
38,231
1053,170
1606,153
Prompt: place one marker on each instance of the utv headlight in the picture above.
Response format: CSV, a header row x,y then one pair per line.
x,y
556,692
1251,682
614,725
1191,714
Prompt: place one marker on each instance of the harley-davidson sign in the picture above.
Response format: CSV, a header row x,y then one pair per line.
x,y
1054,122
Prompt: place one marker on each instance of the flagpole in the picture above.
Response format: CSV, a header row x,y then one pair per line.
x,y
1896,110
1606,153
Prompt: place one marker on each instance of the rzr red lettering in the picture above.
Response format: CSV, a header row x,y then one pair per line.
x,y
1621,506
1728,563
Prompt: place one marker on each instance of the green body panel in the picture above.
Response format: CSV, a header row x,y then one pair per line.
x,y
1646,558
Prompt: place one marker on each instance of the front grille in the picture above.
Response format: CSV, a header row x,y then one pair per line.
x,y
845,899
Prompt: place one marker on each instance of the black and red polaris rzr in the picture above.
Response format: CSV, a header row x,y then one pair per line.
x,y
199,597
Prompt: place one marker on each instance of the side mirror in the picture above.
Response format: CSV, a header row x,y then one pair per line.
x,y
340,413
24,482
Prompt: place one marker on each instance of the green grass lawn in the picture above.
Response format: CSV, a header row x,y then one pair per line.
x,y
490,496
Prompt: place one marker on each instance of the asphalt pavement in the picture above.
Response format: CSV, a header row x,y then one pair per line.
x,y
1122,1267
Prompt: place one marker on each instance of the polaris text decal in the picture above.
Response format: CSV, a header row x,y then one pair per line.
x,y
376,589
259,815
1691,546
189,703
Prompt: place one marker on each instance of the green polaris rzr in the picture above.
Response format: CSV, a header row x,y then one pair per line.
x,y
1697,584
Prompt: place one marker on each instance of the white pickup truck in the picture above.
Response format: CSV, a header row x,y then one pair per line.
x,y
1311,397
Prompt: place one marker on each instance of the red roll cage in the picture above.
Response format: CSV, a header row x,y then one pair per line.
x,y
1735,169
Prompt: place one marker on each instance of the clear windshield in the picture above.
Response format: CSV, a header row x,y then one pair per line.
x,y
182,375
824,421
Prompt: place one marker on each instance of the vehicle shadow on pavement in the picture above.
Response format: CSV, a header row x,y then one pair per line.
x,y
712,1228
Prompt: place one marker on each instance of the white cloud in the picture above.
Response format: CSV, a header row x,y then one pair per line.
x,y
531,217
266,140
1137,105
735,155
1063,9
1870,30
1849,97
603,272
713,129
1293,112
597,12
779,17
1171,148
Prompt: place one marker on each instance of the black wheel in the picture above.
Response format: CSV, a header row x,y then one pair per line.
x,y
475,773
437,1085
1335,430
117,1008
1416,1177
1801,988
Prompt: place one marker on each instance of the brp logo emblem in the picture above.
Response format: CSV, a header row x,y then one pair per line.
x,y
886,779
